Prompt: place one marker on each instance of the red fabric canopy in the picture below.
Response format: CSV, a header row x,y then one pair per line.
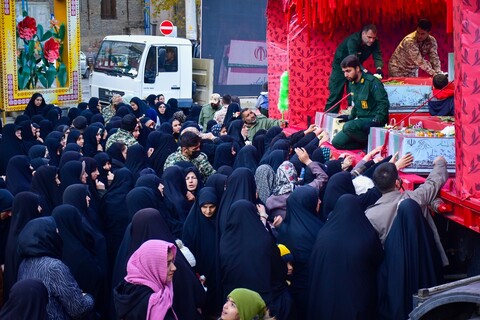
x,y
328,15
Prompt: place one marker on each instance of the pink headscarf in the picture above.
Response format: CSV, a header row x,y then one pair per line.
x,y
148,266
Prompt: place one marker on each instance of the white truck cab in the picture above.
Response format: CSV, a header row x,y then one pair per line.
x,y
142,65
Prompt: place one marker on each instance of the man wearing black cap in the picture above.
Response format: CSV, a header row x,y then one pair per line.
x,y
124,134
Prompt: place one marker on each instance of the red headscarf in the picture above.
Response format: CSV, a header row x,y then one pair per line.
x,y
148,266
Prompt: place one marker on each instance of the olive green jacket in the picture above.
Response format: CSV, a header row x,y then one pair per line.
x,y
369,99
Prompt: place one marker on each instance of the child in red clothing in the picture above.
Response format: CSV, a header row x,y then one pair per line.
x,y
442,104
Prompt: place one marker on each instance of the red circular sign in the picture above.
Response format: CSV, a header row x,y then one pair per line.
x,y
166,27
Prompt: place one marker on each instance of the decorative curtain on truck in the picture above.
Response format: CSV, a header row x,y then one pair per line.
x,y
467,97
328,15
306,51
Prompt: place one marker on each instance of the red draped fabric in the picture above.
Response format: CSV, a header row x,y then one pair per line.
x,y
449,16
467,97
302,36
326,15
306,52
277,34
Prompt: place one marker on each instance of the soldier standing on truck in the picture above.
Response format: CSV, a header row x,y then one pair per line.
x,y
410,54
361,44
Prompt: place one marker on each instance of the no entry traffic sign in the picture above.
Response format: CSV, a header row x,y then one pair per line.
x,y
166,27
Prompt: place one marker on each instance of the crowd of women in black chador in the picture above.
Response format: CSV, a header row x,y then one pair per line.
x,y
73,213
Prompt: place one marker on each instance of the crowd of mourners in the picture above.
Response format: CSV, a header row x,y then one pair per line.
x,y
141,210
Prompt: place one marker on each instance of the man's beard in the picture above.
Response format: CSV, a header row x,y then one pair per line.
x,y
253,121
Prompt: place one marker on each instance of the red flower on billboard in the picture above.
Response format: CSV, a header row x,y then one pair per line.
x,y
27,28
38,58
51,50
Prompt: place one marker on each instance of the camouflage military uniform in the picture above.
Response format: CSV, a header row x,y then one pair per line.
x,y
122,136
201,162
108,112
410,55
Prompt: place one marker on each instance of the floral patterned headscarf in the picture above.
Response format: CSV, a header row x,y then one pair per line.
x,y
286,178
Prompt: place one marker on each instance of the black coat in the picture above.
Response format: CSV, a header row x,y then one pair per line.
x,y
115,221
148,224
199,236
29,299
298,233
82,253
245,252
346,256
411,262
25,208
131,301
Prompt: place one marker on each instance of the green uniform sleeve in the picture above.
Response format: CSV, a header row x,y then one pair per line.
x,y
200,120
272,122
353,43
353,114
351,101
377,55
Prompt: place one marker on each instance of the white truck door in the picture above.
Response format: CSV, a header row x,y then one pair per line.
x,y
162,72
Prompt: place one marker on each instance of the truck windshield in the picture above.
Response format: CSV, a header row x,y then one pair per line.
x,y
119,58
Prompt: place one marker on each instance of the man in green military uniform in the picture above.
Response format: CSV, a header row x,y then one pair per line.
x,y
369,103
362,44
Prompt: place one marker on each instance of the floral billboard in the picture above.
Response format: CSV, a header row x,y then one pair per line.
x,y
39,54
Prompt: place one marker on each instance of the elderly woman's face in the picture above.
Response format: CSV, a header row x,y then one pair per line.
x,y
191,181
